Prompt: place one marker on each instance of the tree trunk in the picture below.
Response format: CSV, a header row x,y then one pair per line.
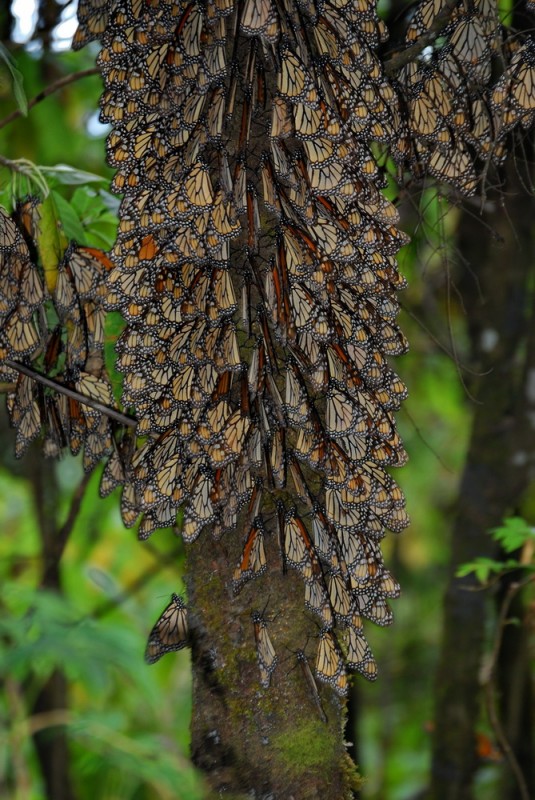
x,y
51,744
245,738
498,282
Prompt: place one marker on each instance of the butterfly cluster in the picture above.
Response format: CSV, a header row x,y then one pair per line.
x,y
255,266
52,321
465,94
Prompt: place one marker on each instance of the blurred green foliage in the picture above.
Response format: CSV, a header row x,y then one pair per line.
x,y
127,722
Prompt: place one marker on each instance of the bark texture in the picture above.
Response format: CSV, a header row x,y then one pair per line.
x,y
247,738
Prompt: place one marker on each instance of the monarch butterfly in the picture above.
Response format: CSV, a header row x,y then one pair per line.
x,y
215,62
259,18
373,608
223,219
327,177
269,185
308,121
253,219
330,662
323,533
424,118
297,404
339,596
470,48
300,553
423,18
200,510
209,446
267,658
117,466
253,559
19,337
359,655
294,81
198,187
93,16
454,167
301,487
317,599
523,79
281,119
28,428
170,632
97,444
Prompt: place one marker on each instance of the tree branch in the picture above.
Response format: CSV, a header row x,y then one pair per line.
x,y
112,413
54,87
65,530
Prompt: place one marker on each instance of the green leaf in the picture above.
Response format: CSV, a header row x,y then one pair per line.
x,y
70,220
481,567
18,83
513,534
70,176
111,202
99,222
104,581
51,241
484,567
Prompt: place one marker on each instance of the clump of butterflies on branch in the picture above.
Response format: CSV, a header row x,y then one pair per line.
x,y
255,267
52,323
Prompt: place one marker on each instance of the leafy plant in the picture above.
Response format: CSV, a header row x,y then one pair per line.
x,y
515,535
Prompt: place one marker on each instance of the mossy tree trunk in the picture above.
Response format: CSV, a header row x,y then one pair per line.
x,y
246,738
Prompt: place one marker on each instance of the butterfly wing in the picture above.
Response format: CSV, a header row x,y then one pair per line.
x,y
170,632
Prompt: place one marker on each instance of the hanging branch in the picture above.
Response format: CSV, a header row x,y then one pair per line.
x,y
54,87
66,529
112,413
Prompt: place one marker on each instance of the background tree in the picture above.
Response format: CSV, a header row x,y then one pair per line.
x,y
444,118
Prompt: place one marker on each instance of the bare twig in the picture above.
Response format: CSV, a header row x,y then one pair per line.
x,y
54,87
451,355
65,530
21,165
112,413
427,444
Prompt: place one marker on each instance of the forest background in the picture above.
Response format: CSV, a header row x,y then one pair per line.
x,y
128,723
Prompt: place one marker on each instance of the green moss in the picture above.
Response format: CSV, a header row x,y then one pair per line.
x,y
353,776
306,746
